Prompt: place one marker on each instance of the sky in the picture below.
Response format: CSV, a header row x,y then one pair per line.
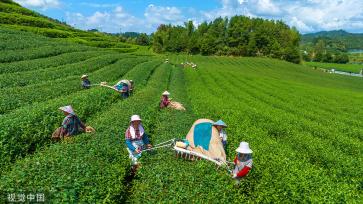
x,y
115,16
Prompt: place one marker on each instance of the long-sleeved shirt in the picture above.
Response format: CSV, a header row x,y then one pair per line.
x,y
72,125
243,167
86,84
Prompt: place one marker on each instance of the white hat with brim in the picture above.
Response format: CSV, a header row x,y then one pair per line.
x,y
135,118
67,109
166,93
84,76
244,148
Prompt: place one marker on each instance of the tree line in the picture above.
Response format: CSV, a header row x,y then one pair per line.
x,y
237,36
325,49
135,38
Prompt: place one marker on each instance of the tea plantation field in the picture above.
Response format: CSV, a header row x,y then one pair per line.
x,y
304,126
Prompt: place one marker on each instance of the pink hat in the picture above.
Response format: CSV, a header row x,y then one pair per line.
x,y
67,109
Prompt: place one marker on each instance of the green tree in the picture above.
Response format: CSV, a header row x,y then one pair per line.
x,y
142,39
239,36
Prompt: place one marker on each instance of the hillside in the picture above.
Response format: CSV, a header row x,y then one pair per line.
x,y
285,111
15,17
351,40
303,125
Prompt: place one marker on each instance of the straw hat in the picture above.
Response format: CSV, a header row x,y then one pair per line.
x,y
84,76
244,148
135,118
220,123
166,93
67,109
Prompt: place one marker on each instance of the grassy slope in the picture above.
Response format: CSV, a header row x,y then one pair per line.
x,y
280,108
303,125
304,128
15,17
355,68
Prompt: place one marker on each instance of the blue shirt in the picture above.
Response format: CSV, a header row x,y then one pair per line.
x,y
72,125
86,84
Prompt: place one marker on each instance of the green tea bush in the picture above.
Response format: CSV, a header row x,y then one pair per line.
x,y
53,73
21,96
17,19
34,125
77,177
55,61
39,52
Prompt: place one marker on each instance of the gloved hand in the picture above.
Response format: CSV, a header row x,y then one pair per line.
x,y
89,129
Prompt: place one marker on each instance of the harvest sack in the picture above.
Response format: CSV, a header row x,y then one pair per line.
x,y
203,138
176,105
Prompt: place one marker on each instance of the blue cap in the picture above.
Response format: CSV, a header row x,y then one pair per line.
x,y
220,123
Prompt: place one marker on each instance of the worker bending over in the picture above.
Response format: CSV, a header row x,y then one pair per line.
x,y
123,88
71,125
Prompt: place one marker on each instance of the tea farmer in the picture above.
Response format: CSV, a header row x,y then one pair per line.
x,y
86,84
242,162
165,101
220,125
71,124
136,140
123,88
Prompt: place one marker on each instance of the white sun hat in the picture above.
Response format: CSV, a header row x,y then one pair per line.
x,y
84,76
67,109
135,118
244,148
166,93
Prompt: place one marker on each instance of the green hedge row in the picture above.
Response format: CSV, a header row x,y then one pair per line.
x,y
52,73
90,168
30,127
54,61
20,96
39,52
